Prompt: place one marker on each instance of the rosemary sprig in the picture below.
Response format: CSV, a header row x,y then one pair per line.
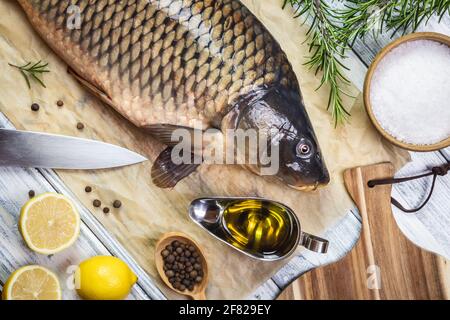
x,y
327,46
33,70
333,30
361,16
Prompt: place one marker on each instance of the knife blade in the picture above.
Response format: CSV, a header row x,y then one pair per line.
x,y
43,150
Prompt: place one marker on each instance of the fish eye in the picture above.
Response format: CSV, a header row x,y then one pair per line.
x,y
304,149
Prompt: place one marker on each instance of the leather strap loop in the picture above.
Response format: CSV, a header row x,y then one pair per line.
x,y
435,172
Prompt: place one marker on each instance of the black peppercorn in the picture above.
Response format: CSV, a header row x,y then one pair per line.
x,y
165,253
170,258
35,107
97,203
170,273
117,204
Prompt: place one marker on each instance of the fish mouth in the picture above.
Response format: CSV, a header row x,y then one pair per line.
x,y
308,188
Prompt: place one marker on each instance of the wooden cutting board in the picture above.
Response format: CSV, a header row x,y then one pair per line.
x,y
384,264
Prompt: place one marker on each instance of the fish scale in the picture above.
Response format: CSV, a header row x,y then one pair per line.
x,y
172,62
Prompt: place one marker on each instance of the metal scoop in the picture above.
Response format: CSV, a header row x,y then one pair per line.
x,y
209,214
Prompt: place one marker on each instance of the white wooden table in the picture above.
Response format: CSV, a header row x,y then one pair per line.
x,y
429,228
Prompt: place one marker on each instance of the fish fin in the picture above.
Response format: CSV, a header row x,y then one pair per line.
x,y
166,174
95,90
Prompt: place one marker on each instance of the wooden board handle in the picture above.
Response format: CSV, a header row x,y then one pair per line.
x,y
366,198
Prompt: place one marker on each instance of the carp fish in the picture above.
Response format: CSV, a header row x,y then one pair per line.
x,y
169,64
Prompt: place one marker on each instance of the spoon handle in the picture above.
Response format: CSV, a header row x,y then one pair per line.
x,y
314,243
199,296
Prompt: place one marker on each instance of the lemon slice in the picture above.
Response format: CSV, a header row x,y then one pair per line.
x,y
49,223
32,283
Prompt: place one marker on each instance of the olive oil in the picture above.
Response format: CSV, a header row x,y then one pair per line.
x,y
258,226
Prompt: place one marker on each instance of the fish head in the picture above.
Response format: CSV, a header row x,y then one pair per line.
x,y
301,164
281,114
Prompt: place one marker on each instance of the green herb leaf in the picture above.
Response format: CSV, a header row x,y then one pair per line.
x,y
333,30
327,43
33,70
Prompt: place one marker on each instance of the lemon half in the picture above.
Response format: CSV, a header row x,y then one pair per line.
x,y
32,283
49,223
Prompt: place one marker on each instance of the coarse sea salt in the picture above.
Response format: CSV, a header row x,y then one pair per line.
x,y
410,92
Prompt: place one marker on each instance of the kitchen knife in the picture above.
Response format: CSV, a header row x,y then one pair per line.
x,y
43,150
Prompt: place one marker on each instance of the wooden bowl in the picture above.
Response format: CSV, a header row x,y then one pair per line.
x,y
199,292
412,37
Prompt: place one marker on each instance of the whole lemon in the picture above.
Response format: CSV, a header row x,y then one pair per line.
x,y
104,278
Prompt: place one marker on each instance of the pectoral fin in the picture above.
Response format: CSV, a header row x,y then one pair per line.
x,y
166,174
196,143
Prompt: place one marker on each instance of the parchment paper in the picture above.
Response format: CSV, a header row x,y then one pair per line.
x,y
147,211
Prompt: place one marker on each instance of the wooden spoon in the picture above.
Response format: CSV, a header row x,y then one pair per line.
x,y
199,289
